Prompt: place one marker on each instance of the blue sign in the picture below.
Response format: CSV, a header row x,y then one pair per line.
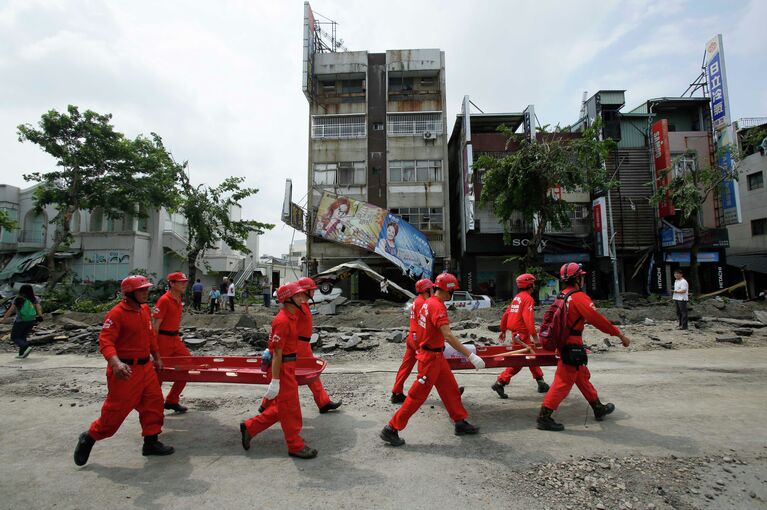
x,y
405,246
667,237
716,90
683,257
561,258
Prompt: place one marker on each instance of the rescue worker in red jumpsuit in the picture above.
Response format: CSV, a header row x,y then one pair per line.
x,y
129,344
283,389
571,368
433,369
166,321
423,288
519,319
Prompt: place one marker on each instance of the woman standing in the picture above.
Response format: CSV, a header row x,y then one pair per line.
x,y
28,312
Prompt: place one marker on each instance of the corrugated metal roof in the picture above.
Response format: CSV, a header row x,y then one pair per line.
x,y
632,213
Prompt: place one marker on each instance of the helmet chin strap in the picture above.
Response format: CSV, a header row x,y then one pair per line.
x,y
293,302
131,297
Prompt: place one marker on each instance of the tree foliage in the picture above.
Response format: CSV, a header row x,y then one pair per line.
x,y
522,181
97,167
6,222
208,213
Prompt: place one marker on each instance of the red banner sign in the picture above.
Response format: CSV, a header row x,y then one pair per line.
x,y
662,157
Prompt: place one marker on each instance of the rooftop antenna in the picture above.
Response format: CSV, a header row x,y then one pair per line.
x,y
327,40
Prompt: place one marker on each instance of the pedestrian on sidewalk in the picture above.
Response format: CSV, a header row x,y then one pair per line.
x,y
681,297
266,290
579,309
197,289
245,297
423,288
230,296
28,312
283,388
433,369
129,344
519,320
213,299
166,322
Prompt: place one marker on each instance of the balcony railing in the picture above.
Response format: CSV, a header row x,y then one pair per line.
x,y
339,126
414,124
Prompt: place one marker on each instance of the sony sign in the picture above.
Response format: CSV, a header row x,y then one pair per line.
x,y
527,242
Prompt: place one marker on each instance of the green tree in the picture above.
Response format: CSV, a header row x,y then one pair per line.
x,y
688,190
98,167
6,223
522,181
207,211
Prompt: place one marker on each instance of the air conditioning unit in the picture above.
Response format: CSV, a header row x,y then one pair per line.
x,y
428,135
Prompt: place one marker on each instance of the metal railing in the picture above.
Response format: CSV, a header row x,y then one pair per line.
x,y
749,122
339,126
414,124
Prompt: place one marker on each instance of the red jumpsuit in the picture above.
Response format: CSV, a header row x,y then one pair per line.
x,y
519,318
580,310
168,310
127,332
304,350
411,347
433,369
285,408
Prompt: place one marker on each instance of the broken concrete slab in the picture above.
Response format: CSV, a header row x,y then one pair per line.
x,y
314,341
327,309
193,343
729,339
761,316
396,338
743,331
353,342
69,324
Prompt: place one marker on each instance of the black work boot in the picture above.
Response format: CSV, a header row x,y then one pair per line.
x,y
546,422
460,389
498,388
397,398
245,436
464,428
153,446
330,406
177,408
83,449
542,386
601,410
304,453
261,409
391,436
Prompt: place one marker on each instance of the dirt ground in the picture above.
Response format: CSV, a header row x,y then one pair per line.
x,y
688,431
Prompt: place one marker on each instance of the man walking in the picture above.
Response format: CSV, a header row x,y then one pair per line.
x,y
230,296
681,296
266,290
197,289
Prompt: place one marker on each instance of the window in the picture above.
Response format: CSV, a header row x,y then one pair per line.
x,y
428,82
10,236
100,265
328,86
400,84
422,218
352,86
759,227
344,173
755,181
414,124
684,165
97,218
338,126
415,171
378,126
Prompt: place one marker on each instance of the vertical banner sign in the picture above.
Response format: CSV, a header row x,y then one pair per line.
x,y
309,50
599,212
468,168
716,78
662,157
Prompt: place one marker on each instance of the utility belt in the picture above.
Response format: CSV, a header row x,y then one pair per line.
x,y
574,355
289,357
575,333
305,338
166,332
433,349
135,361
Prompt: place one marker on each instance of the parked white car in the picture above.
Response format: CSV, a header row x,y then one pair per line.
x,y
462,300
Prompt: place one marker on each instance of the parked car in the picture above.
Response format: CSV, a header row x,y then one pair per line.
x,y
462,300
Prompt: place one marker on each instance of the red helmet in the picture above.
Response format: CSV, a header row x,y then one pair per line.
x,y
133,283
446,282
307,283
525,281
423,285
177,277
288,290
570,270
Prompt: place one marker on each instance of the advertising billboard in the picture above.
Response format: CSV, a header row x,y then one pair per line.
x,y
599,212
351,222
310,48
662,157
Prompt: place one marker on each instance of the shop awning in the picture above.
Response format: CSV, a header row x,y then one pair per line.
x,y
21,263
753,262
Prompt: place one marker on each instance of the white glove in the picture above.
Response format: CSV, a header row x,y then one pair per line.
x,y
273,389
476,361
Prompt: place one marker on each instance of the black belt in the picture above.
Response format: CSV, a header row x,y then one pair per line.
x,y
289,357
169,333
304,338
576,333
135,361
432,349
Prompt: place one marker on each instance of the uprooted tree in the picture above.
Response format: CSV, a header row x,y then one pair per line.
x,y
98,167
522,181
208,214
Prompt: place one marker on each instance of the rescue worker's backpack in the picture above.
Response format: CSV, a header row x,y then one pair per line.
x,y
27,312
554,329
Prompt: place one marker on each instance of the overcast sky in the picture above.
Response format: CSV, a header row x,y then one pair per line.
x,y
221,81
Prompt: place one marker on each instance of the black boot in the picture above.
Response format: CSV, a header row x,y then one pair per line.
x,y
397,398
177,408
330,406
152,446
245,436
391,436
460,389
464,428
601,410
304,453
546,422
83,449
261,409
498,388
542,386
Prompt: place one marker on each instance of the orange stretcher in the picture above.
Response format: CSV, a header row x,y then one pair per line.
x,y
491,356
233,369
